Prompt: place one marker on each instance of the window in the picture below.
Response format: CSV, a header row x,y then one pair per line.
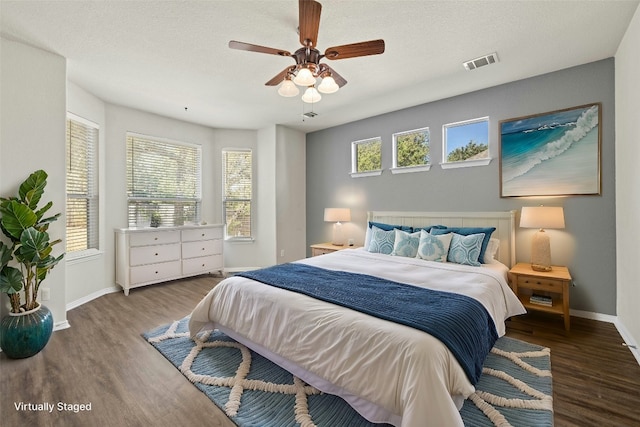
x,y
366,157
81,185
466,143
411,151
237,176
163,181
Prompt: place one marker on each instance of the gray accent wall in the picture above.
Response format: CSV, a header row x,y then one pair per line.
x,y
588,243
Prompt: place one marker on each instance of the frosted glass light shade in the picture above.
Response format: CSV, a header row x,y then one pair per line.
x,y
328,85
288,89
311,95
304,78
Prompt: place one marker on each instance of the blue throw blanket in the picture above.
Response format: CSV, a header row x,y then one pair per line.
x,y
460,322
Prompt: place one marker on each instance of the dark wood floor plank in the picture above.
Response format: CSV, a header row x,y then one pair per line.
x,y
103,359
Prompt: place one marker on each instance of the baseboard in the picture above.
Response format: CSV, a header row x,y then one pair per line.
x,y
92,296
629,342
58,326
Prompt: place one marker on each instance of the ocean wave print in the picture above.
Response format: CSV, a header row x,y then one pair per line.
x,y
583,125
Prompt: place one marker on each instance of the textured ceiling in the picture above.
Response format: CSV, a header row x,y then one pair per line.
x,y
163,56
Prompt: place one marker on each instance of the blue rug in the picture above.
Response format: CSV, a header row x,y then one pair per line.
x,y
514,389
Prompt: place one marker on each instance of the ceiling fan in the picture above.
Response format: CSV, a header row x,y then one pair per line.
x,y
308,67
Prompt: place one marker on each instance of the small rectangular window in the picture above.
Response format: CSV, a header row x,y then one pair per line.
x,y
163,181
466,143
411,151
366,157
81,185
237,179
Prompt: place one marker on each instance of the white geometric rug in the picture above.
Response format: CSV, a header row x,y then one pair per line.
x,y
514,389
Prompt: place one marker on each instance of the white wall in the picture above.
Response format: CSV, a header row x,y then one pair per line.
x,y
82,281
628,180
290,189
32,137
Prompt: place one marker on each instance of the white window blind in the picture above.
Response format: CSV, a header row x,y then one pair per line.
x,y
163,181
82,185
237,176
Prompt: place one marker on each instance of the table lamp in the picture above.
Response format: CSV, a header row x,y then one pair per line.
x,y
541,217
337,216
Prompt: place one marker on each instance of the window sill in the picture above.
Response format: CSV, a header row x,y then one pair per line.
x,y
410,169
240,239
466,163
83,256
365,174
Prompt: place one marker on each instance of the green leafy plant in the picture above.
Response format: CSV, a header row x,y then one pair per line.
x,y
30,247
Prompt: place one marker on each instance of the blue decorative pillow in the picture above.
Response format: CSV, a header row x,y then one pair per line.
x,y
428,228
381,241
405,244
434,247
466,231
465,249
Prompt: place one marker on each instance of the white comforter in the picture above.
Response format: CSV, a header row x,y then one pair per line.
x,y
388,372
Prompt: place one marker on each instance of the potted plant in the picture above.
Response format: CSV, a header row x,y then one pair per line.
x,y
24,263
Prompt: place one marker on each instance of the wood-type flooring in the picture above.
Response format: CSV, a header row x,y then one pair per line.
x,y
103,360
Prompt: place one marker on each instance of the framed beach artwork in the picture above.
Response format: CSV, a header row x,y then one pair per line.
x,y
551,154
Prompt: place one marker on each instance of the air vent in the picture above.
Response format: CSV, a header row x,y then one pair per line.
x,y
492,58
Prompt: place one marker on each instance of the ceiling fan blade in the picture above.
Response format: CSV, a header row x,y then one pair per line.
x,y
309,22
255,48
372,47
280,77
340,81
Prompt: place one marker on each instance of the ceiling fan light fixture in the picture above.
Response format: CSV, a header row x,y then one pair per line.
x,y
304,77
328,85
311,95
288,89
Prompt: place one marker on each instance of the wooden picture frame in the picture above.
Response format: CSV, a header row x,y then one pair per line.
x,y
552,154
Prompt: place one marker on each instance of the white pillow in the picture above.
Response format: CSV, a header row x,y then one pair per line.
x,y
434,247
406,244
492,250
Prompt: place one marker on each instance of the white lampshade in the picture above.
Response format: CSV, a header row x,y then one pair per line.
x,y
304,78
541,217
337,215
288,89
328,85
311,95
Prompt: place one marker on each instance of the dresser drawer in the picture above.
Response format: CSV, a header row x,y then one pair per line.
x,y
203,248
196,234
201,265
539,283
154,238
153,254
154,272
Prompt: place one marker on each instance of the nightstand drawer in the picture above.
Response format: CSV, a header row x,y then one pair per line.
x,y
318,251
539,283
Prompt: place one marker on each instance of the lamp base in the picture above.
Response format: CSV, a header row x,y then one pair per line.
x,y
540,252
338,238
537,267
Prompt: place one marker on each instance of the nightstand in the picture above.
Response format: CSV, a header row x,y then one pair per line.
x,y
554,284
325,248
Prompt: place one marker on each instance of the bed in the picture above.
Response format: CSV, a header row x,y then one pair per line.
x,y
389,372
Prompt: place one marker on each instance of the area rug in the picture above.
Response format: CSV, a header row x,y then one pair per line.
x,y
514,389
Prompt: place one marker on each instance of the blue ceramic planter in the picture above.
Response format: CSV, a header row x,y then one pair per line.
x,y
25,334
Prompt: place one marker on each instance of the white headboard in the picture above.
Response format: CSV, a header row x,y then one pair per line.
x,y
504,222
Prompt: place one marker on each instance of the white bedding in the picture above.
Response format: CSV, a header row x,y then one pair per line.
x,y
388,372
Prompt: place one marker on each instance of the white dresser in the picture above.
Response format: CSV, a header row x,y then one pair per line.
x,y
151,255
